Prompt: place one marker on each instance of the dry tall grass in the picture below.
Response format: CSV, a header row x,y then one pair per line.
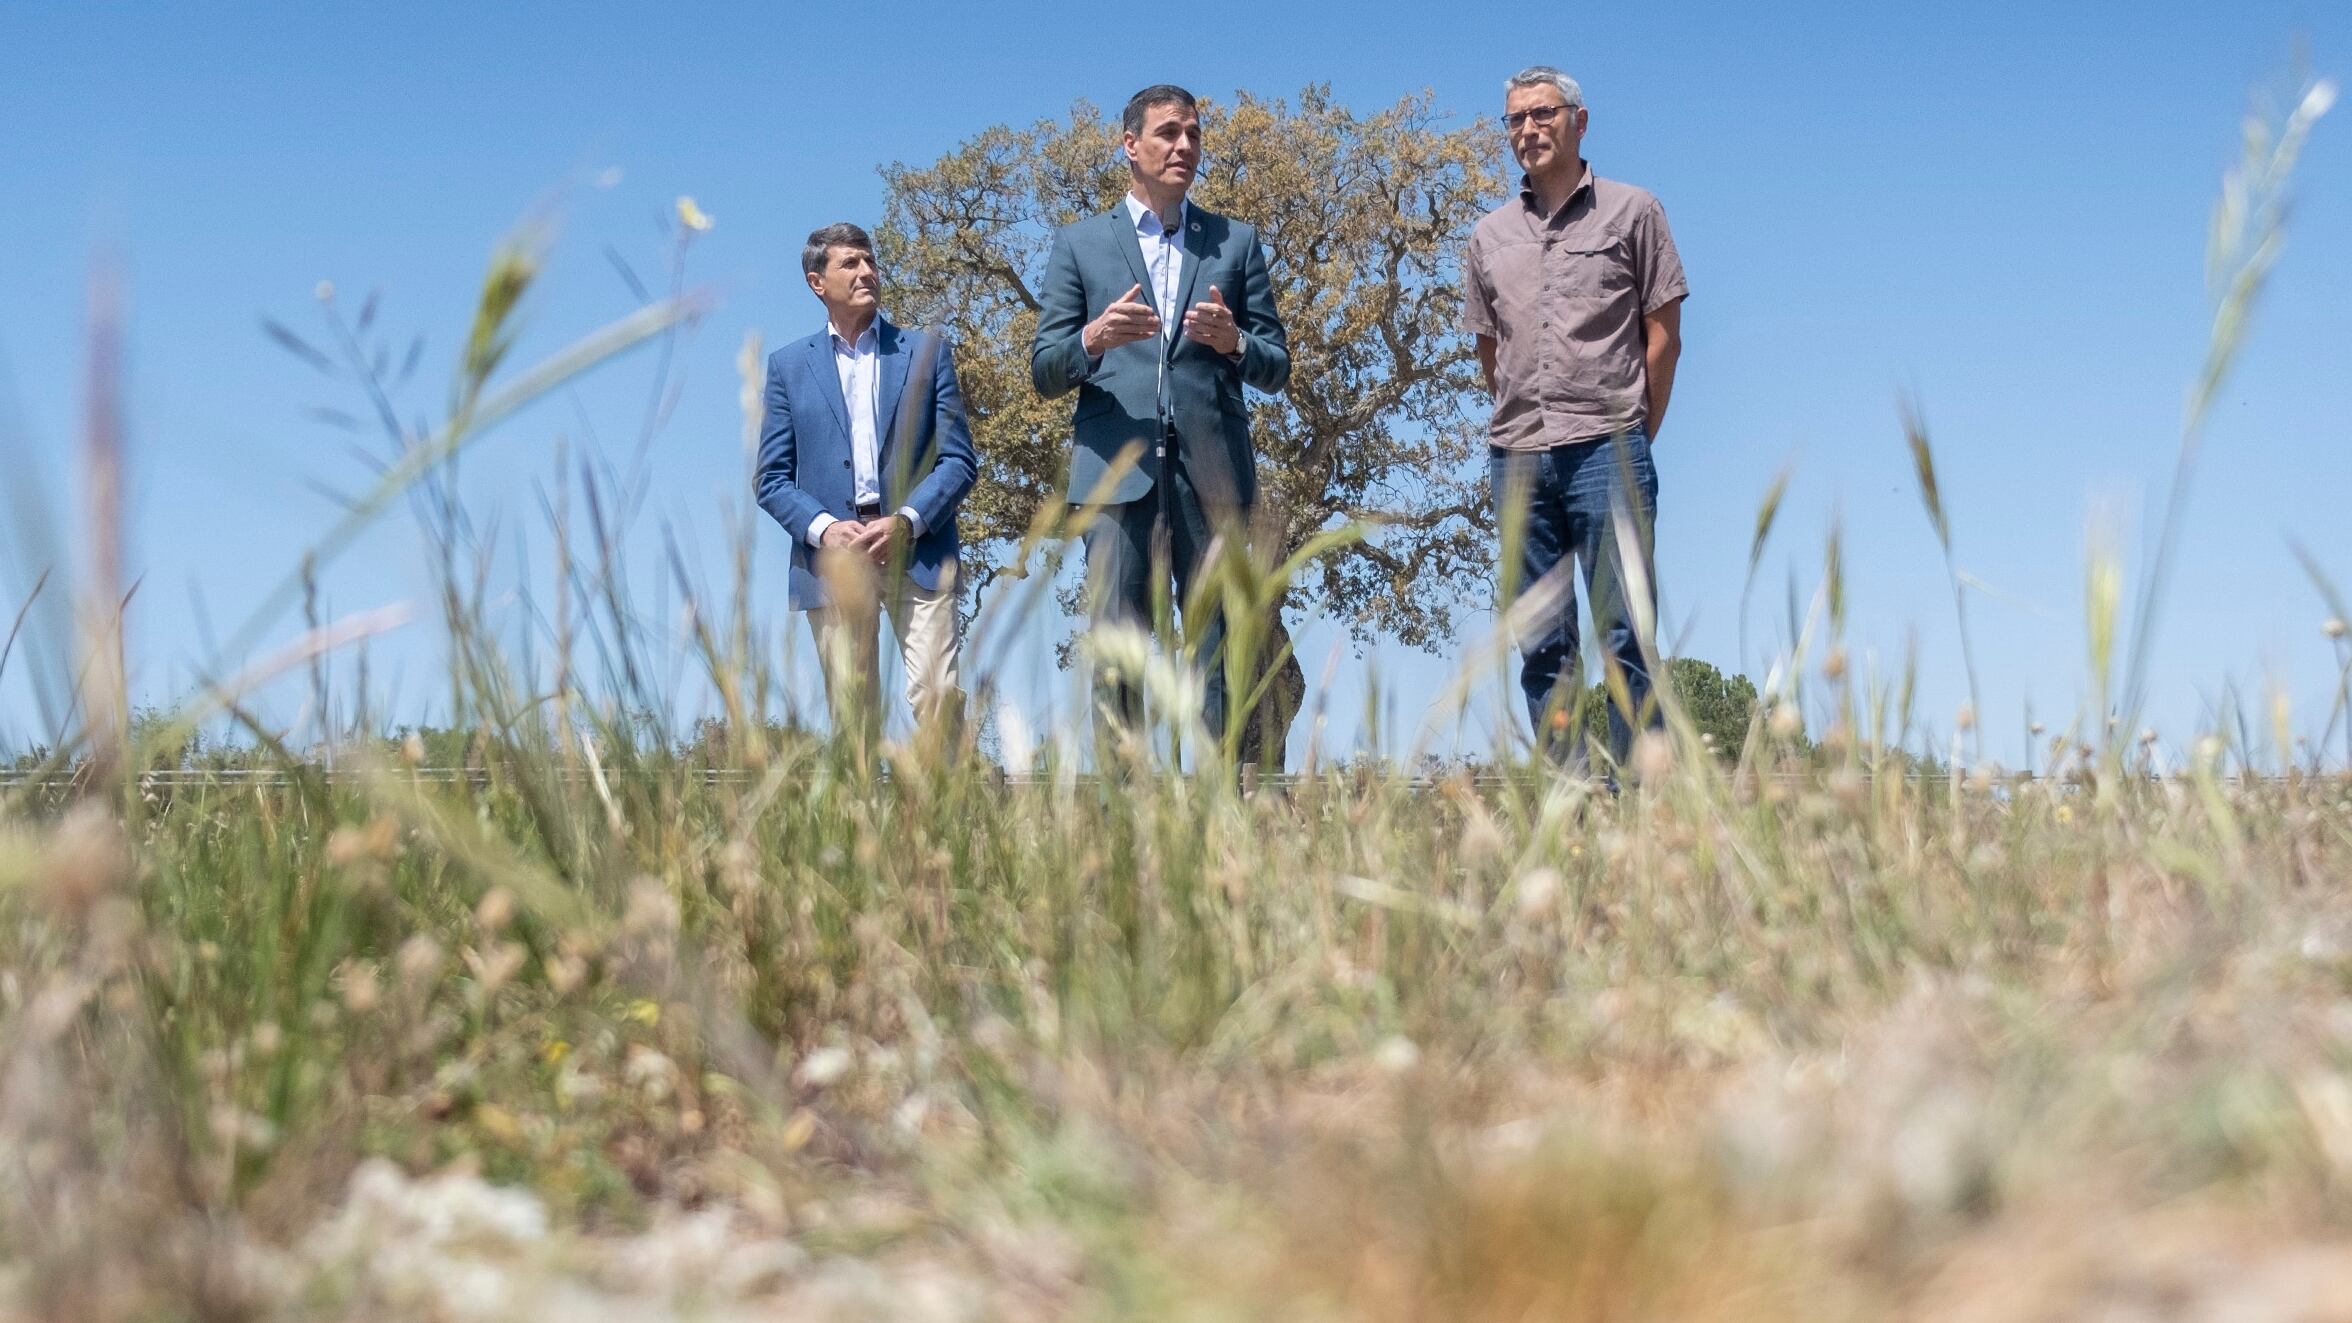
x,y
615,1025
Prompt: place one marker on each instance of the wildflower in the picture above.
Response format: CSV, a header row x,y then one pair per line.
x,y
361,991
494,967
1538,891
1847,785
1396,1054
739,867
647,1013
654,1074
378,841
419,959
1833,665
692,216
1481,838
2333,627
1786,722
652,909
498,1123
799,1131
87,857
1653,757
564,972
824,1066
496,910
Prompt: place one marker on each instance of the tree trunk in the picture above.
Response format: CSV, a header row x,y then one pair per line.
x,y
1265,733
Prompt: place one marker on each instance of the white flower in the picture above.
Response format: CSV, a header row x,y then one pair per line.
x,y
1538,892
824,1066
1396,1054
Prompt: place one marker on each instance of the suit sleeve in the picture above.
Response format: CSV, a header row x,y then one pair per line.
x,y
958,463
772,480
1057,359
1265,350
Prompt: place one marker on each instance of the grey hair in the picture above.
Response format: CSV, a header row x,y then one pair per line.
x,y
1544,75
821,244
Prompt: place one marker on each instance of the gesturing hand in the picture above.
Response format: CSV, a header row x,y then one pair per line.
x,y
1212,324
1126,321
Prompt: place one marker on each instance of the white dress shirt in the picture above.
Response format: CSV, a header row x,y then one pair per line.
x,y
859,364
1163,258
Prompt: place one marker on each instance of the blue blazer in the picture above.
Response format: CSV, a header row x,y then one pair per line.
x,y
1096,260
927,460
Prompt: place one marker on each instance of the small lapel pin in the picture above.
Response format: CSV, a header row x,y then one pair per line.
x,y
1196,227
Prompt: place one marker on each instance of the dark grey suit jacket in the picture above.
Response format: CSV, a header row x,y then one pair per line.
x,y
1123,395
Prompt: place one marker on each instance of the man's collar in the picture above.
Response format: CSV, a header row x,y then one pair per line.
x,y
1527,188
1137,210
873,333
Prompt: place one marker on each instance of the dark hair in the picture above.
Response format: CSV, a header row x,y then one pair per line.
x,y
841,234
1158,94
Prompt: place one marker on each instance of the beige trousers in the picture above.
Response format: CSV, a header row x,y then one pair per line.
x,y
924,622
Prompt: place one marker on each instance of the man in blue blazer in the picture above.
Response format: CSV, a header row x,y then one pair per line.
x,y
864,456
1157,313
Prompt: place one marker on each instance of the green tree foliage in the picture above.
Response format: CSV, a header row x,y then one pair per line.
x,y
1720,705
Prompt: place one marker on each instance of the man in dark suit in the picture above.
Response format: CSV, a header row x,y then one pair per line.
x,y
864,456
1156,313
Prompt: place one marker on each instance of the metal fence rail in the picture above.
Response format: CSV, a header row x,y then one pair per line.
x,y
481,777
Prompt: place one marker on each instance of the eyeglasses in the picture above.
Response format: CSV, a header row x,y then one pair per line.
x,y
1540,114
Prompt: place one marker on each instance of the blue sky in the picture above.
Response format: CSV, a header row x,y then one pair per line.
x,y
1998,208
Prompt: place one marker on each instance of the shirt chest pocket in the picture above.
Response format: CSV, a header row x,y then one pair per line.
x,y
1594,268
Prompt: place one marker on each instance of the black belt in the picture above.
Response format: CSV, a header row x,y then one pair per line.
x,y
869,510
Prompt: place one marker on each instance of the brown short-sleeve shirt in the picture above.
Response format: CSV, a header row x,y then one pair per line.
x,y
1563,297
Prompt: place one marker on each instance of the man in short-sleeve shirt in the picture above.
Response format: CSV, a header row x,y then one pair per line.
x,y
1574,293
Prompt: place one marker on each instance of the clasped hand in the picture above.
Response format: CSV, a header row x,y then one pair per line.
x,y
872,539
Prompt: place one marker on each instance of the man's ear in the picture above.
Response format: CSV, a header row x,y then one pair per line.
x,y
816,283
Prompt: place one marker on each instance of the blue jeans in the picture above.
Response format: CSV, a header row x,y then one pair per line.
x,y
1570,494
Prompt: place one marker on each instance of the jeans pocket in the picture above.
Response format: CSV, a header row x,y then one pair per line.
x,y
1645,465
